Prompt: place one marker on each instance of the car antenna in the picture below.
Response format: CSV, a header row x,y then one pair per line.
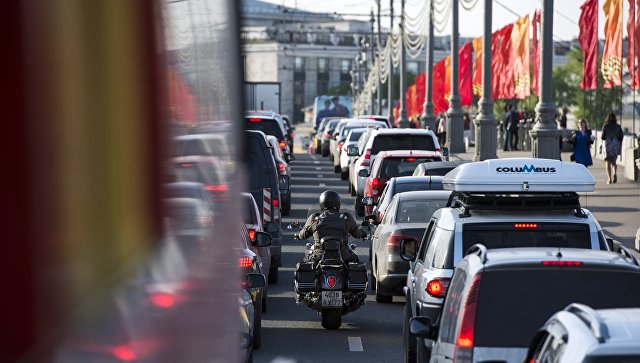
x,y
559,254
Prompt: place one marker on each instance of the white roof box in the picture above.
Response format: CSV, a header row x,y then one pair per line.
x,y
519,175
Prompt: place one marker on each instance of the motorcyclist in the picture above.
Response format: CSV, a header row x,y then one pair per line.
x,y
330,223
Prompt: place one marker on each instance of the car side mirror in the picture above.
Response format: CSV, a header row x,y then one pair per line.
x,y
246,340
363,173
420,326
352,150
409,249
263,239
610,243
284,183
255,280
290,157
373,219
368,201
272,227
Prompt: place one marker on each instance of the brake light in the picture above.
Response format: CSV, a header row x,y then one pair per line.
x,y
394,240
186,165
340,145
276,203
464,342
439,150
252,234
375,183
217,188
281,167
162,299
438,287
291,135
282,144
205,220
327,134
562,263
331,281
410,160
367,154
124,353
255,119
246,262
525,225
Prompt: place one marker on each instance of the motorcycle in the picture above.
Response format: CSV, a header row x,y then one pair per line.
x,y
332,287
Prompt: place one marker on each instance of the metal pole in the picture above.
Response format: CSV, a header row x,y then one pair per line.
x,y
545,134
379,44
486,133
372,45
390,79
455,127
403,122
428,118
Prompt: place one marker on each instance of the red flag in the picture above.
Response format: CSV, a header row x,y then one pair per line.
x,y
637,36
535,52
181,101
611,66
589,43
439,102
520,57
631,53
502,85
477,66
465,76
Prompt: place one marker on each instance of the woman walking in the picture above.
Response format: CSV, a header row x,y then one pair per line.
x,y
581,141
612,136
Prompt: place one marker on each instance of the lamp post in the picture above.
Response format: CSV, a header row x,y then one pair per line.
x,y
455,127
373,59
379,44
403,122
428,118
390,76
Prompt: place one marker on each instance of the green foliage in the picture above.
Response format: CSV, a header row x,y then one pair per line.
x,y
342,89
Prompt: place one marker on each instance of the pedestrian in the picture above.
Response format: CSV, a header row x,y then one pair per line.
x,y
442,130
562,120
505,128
513,123
612,136
581,141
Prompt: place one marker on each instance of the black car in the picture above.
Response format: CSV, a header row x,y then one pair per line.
x,y
289,128
270,123
265,186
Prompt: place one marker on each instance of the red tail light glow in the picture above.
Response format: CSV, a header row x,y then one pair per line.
x,y
205,220
562,263
252,234
124,353
439,150
394,240
438,287
246,262
162,299
186,165
340,145
255,119
217,188
276,203
367,154
331,281
327,134
281,167
410,160
464,342
282,144
291,135
525,225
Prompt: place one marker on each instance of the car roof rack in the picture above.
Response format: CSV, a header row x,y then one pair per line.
x,y
468,201
591,318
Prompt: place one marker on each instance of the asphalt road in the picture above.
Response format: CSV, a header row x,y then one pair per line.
x,y
292,333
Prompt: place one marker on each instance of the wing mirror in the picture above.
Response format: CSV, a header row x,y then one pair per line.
x,y
420,326
363,173
284,183
372,219
352,150
263,239
255,280
290,157
368,201
409,249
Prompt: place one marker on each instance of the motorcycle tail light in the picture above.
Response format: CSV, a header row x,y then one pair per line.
x,y
331,281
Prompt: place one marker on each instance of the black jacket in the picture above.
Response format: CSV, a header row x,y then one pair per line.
x,y
330,224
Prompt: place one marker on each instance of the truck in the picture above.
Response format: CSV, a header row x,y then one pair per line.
x,y
262,96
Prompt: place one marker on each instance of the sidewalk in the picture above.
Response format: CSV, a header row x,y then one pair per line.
x,y
615,206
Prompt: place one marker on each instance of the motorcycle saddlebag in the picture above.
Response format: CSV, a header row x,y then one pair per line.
x,y
357,276
305,277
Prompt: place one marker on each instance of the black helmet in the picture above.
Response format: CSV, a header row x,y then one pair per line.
x,y
329,200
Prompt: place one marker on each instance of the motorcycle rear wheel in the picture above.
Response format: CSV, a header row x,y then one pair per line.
x,y
331,318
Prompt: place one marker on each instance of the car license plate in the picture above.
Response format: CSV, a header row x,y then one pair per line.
x,y
332,299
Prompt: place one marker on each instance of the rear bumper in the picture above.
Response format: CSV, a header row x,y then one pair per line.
x,y
392,284
276,251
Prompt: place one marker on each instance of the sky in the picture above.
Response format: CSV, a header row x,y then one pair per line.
x,y
565,17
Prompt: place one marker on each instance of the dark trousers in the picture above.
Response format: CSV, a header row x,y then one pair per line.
x,y
513,134
506,140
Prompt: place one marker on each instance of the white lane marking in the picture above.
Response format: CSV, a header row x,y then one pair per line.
x,y
355,344
320,176
314,157
316,162
322,185
318,168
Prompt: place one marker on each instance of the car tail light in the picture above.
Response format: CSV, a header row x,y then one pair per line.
x,y
217,188
291,136
438,150
246,262
275,210
367,154
375,183
394,240
410,160
525,225
276,203
464,342
327,134
438,287
282,144
340,145
252,234
331,281
562,263
255,119
163,300
205,220
281,167
124,353
186,165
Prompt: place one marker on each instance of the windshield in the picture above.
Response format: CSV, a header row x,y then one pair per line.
x,y
418,211
402,142
405,166
268,126
437,172
507,235
355,135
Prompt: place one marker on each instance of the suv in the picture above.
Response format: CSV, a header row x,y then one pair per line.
x,y
488,206
386,165
265,184
270,123
284,172
580,334
340,135
498,299
387,139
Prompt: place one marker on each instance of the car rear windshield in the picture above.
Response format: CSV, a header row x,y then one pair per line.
x,y
402,142
418,211
190,172
355,135
249,211
618,358
268,126
409,187
437,172
405,166
526,234
514,303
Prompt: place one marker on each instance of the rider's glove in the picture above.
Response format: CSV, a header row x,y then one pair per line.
x,y
295,236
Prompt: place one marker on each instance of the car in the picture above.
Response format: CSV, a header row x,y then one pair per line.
x,y
201,169
289,128
498,299
191,221
407,217
440,168
253,221
265,186
247,315
340,135
380,118
498,204
354,156
190,190
204,144
399,185
325,135
270,123
383,140
350,139
284,172
317,130
579,333
386,165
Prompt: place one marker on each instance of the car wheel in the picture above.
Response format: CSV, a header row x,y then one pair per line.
x,y
273,275
344,176
381,298
408,341
325,152
337,169
257,325
359,206
372,281
286,207
353,190
264,303
318,147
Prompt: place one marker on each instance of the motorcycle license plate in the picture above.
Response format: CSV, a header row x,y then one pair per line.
x,y
332,299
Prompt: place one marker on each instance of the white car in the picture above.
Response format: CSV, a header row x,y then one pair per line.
x,y
340,133
352,139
